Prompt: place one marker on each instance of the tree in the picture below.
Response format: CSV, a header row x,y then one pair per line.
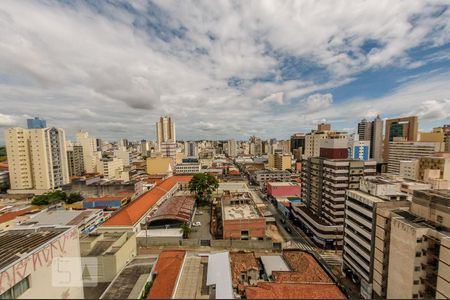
x,y
186,230
73,197
49,198
203,185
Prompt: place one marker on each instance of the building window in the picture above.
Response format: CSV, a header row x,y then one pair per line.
x,y
416,282
440,219
415,296
417,269
17,290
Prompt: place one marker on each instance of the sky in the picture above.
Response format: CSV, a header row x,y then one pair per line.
x,y
222,69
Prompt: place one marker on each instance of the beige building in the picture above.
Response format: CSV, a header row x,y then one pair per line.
x,y
75,161
37,159
165,131
441,164
366,231
409,169
280,161
419,259
313,140
90,153
110,168
404,128
159,165
31,275
112,252
399,151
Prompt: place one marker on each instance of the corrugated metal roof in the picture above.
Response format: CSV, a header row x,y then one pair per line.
x,y
274,263
219,274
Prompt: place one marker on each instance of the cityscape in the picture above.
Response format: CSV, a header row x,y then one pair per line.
x,y
224,150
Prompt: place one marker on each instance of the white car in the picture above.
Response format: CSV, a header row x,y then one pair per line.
x,y
197,224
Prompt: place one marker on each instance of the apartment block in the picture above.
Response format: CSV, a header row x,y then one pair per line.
x,y
372,131
359,149
110,168
439,163
261,177
165,131
280,161
324,183
37,159
399,151
419,257
366,225
75,160
90,153
188,166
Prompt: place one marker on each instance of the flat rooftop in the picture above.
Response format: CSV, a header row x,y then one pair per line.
x,y
241,211
15,244
60,217
123,284
282,183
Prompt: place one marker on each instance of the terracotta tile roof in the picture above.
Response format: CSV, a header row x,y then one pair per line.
x,y
273,290
167,267
6,217
130,214
305,269
241,262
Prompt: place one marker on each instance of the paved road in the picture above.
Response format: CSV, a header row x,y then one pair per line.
x,y
298,239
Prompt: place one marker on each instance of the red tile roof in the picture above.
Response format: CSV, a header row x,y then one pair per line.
x,y
241,262
273,290
167,268
6,217
305,269
130,214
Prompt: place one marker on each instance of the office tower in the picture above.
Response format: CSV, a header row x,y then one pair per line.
x,y
399,129
165,131
358,149
122,144
298,141
399,151
367,232
324,182
323,127
420,248
75,159
37,158
36,123
90,154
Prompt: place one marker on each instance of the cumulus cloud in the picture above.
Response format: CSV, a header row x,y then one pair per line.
x,y
218,65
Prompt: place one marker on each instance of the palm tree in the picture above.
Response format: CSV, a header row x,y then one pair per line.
x,y
203,185
186,230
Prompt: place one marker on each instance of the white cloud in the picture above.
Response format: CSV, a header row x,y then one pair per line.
x,y
84,67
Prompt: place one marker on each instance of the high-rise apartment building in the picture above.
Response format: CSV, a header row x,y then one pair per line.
x,y
165,131
419,253
372,131
231,149
366,232
37,158
324,182
404,129
75,159
168,149
90,153
404,151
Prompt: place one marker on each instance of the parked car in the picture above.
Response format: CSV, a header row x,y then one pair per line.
x,y
197,224
199,213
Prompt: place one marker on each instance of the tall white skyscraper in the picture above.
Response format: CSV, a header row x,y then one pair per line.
x,y
37,158
165,131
